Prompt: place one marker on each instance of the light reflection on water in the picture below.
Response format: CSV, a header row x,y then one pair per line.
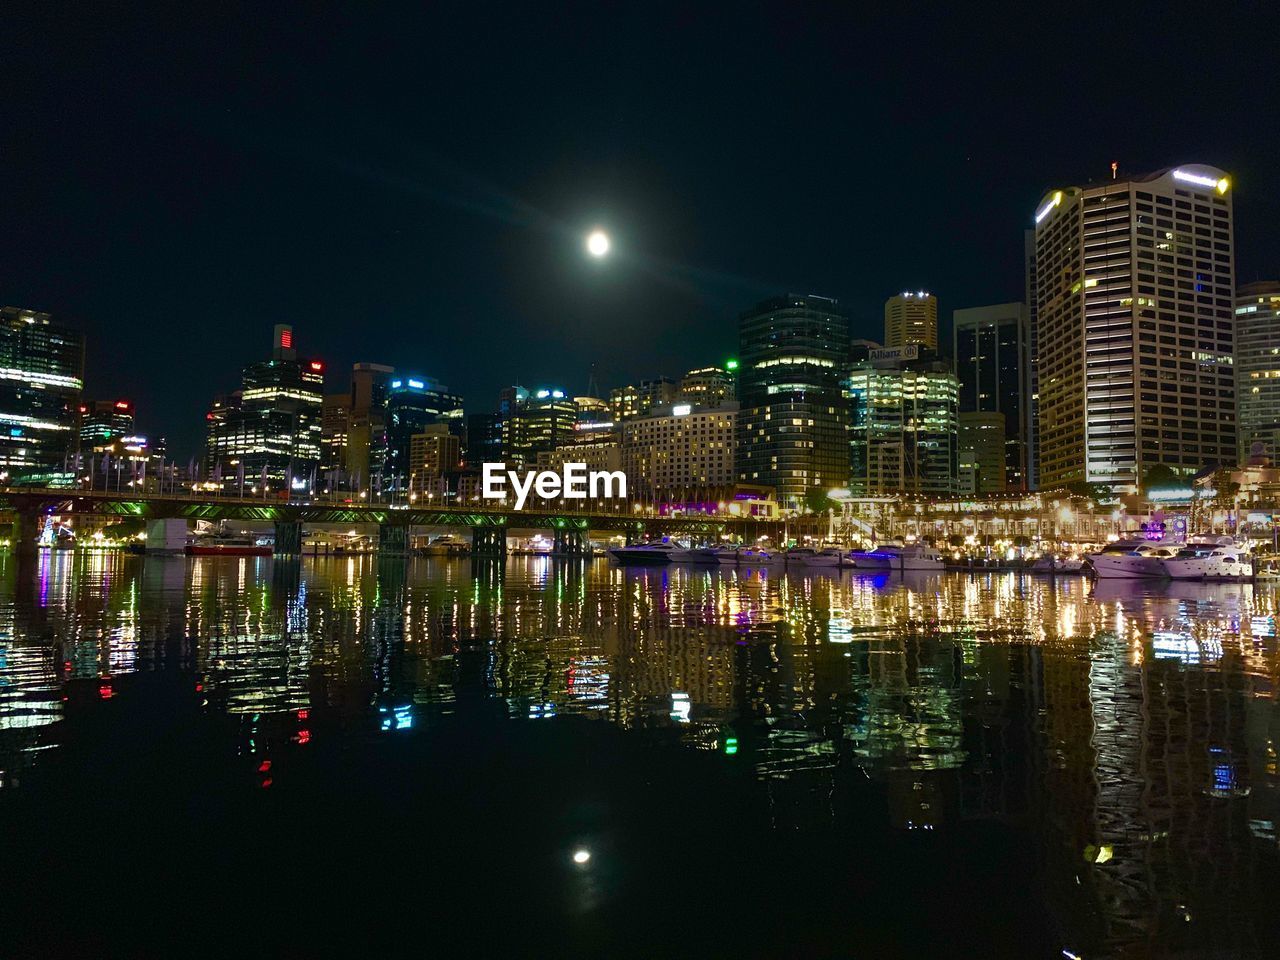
x,y
1128,728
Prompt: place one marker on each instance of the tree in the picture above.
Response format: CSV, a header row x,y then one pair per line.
x,y
817,501
1097,492
1225,488
1160,477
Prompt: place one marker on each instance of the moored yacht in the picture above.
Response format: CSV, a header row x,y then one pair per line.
x,y
656,551
829,557
893,556
1217,558
1131,560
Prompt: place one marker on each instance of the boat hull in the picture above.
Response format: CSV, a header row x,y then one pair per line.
x,y
1124,566
634,557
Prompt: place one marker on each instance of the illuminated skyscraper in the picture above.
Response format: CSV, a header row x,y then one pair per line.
x,y
41,376
269,431
707,386
902,422
1258,367
102,421
911,318
993,364
543,421
792,352
413,405
1134,339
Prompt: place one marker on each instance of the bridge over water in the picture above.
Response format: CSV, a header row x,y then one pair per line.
x,y
168,517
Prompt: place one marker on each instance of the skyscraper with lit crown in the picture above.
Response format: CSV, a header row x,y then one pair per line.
x,y
1135,324
911,318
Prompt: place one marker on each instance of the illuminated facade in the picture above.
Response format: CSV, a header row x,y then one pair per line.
x,y
432,453
102,421
793,418
1258,368
542,421
708,386
413,405
991,346
629,401
911,318
1134,327
679,448
41,377
902,426
269,432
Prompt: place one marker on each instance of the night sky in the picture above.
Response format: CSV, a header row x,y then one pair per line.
x,y
414,188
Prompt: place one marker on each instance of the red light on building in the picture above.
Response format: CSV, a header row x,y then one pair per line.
x,y
317,365
83,408
286,339
123,405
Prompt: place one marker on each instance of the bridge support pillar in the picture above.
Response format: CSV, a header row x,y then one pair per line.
x,y
570,543
288,537
166,536
24,532
393,540
489,542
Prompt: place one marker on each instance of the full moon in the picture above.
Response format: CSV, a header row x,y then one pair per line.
x,y
598,243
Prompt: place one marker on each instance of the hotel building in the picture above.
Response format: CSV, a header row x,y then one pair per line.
x,y
1134,327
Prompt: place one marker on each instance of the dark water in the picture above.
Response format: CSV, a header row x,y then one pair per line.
x,y
363,758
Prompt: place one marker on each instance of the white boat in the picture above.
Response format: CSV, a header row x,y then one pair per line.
x,y
1218,558
694,555
759,556
657,551
799,555
829,557
1128,560
1051,564
729,555
893,556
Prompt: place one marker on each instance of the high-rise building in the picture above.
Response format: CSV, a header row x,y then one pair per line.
x,y
992,352
793,415
902,422
1258,369
367,422
983,447
707,386
680,448
543,421
1030,298
269,431
1134,327
335,420
483,439
413,404
42,363
911,318
637,401
432,453
102,421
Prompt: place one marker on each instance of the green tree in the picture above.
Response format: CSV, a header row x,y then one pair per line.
x,y
1160,477
817,501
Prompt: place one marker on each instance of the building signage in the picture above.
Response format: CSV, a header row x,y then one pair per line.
x,y
893,354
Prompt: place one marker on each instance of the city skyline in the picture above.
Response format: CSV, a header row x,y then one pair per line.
x,y
388,253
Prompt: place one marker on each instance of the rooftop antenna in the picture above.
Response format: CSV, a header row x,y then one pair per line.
x,y
592,386
1114,167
